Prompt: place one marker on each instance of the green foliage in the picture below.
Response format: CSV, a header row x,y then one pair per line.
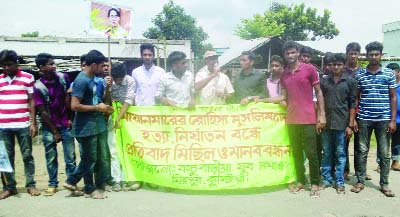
x,y
34,34
173,23
295,22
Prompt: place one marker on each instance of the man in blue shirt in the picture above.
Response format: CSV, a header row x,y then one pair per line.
x,y
89,125
377,103
396,136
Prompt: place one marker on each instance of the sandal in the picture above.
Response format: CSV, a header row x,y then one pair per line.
x,y
8,193
33,191
387,192
70,187
340,190
358,188
50,191
96,195
133,186
77,193
314,193
296,189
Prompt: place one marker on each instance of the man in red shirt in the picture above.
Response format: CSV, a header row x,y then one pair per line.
x,y
298,81
17,119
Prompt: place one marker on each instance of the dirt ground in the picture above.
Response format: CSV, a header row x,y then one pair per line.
x,y
159,202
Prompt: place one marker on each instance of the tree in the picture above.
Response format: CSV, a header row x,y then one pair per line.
x,y
172,23
34,34
289,22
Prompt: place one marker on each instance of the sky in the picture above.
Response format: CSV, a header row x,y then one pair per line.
x,y
357,20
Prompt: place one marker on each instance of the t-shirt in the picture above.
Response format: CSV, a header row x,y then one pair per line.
x,y
14,94
87,123
299,87
374,90
57,94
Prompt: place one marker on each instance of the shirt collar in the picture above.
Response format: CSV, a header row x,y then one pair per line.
x,y
301,65
343,77
171,75
45,81
369,72
18,74
150,69
251,73
123,83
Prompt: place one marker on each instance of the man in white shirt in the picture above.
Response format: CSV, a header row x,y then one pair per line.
x,y
176,87
214,87
147,77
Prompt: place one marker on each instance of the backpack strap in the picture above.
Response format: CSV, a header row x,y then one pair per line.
x,y
43,90
61,79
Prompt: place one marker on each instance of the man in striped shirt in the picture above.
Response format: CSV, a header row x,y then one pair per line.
x,y
377,103
17,118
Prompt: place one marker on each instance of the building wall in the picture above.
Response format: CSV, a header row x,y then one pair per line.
x,y
391,35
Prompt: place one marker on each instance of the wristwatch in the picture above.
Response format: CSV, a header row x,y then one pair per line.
x,y
249,98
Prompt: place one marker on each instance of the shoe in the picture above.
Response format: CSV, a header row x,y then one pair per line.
x,y
50,191
340,190
395,165
8,193
368,177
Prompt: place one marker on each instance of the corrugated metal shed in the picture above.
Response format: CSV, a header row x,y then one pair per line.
x,y
74,47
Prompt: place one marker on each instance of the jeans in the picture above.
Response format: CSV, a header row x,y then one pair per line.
x,y
396,144
102,168
365,129
333,146
116,171
50,147
25,144
85,168
303,138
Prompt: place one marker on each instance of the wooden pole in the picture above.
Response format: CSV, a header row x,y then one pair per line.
x,y
158,52
165,54
109,54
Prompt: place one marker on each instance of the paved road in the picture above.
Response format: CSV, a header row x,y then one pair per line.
x,y
248,203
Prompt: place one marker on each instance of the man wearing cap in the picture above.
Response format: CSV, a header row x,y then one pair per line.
x,y
213,86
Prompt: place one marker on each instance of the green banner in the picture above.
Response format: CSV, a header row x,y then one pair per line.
x,y
209,148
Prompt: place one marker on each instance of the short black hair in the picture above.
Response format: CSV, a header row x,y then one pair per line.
x,y
393,66
339,57
114,9
306,49
328,57
147,46
118,70
82,58
8,56
289,45
94,56
42,59
375,45
353,46
175,57
277,58
250,54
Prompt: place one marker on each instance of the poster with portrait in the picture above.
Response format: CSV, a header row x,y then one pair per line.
x,y
110,20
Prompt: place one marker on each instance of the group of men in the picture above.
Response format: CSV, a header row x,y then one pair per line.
x,y
322,113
